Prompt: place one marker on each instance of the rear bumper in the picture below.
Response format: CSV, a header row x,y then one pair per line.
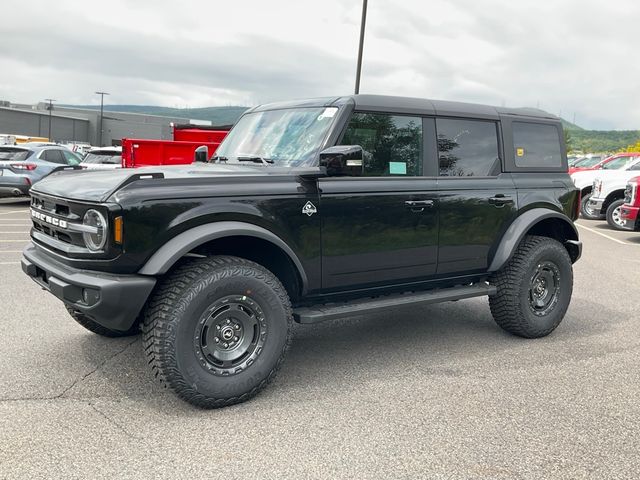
x,y
113,301
14,186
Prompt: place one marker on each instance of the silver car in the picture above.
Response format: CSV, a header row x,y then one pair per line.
x,y
23,165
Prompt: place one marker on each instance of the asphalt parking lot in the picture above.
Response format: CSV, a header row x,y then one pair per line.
x,y
435,392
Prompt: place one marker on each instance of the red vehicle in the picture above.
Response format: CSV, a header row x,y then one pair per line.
x,y
613,162
187,140
631,206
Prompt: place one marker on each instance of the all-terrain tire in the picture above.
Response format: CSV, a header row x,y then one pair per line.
x,y
613,215
515,306
183,312
587,212
94,327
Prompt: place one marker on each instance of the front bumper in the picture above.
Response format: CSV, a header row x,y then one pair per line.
x,y
113,301
596,204
630,216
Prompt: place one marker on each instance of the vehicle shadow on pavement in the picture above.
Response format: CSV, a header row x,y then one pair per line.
x,y
450,340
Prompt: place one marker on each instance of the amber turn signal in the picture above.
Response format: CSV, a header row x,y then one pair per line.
x,y
117,230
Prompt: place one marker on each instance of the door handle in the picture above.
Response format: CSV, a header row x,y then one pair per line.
x,y
418,205
500,200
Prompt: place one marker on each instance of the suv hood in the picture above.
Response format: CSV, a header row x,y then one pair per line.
x,y
99,185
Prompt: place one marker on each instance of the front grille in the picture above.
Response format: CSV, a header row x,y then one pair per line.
x,y
54,219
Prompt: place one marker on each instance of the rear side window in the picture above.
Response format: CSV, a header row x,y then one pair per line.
x,y
392,144
54,156
467,148
536,145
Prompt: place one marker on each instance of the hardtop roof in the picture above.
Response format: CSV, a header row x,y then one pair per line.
x,y
410,105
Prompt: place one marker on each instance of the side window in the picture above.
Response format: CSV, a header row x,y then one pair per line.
x,y
635,166
392,144
70,158
467,148
536,145
54,156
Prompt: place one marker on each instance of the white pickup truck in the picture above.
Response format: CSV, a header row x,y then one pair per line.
x,y
585,179
607,196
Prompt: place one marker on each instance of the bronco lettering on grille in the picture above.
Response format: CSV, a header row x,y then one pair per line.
x,y
56,222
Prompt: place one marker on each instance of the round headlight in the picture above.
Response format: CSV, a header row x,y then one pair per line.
x,y
95,240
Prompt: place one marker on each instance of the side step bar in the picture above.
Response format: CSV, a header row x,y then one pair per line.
x,y
330,311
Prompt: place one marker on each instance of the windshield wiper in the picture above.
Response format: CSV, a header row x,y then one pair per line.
x,y
219,159
255,159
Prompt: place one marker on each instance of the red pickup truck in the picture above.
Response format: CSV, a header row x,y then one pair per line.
x,y
138,152
631,206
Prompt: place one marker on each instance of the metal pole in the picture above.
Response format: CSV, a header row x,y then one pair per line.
x,y
360,47
102,94
50,100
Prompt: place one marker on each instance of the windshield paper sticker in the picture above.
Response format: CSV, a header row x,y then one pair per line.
x,y
329,112
397,168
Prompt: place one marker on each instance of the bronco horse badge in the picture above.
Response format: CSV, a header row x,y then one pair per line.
x,y
309,208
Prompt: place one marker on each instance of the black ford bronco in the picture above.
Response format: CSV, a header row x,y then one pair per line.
x,y
312,210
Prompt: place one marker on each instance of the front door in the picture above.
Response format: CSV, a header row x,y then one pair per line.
x,y
381,227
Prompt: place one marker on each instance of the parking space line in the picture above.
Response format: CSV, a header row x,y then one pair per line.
x,y
14,211
27,231
10,251
13,241
9,263
603,234
14,224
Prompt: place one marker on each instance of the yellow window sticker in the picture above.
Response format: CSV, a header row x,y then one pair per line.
x,y
520,152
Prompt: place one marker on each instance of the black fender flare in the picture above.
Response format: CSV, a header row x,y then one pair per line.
x,y
167,255
518,229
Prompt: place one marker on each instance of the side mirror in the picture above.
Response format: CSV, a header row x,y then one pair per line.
x,y
202,154
342,160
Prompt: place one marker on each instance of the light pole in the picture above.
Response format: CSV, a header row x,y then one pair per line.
x,y
102,94
50,108
360,47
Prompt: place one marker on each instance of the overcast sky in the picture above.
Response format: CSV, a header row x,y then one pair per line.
x,y
567,56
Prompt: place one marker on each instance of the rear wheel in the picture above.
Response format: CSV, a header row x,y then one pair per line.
x,y
94,327
217,329
588,212
533,289
614,215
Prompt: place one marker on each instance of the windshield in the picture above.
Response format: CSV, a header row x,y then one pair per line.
x,y
12,154
588,162
286,138
618,163
109,158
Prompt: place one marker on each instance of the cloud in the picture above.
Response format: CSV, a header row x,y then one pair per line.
x,y
571,56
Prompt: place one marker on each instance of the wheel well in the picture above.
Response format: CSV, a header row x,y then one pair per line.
x,y
586,190
559,230
263,253
612,197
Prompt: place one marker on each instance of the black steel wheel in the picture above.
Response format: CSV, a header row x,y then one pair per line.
x,y
534,289
544,288
230,335
217,329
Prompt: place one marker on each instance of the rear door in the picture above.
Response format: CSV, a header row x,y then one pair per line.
x,y
381,227
477,201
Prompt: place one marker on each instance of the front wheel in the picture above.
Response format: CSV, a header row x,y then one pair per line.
x,y
217,329
533,289
614,215
587,211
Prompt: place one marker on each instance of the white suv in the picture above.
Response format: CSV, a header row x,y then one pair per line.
x,y
607,195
